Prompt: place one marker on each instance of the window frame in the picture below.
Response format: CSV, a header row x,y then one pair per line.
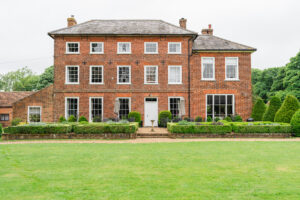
x,y
4,114
90,106
145,44
118,50
102,52
174,52
102,69
145,75
213,100
66,102
237,70
67,75
67,49
129,106
28,114
120,83
174,83
202,70
175,97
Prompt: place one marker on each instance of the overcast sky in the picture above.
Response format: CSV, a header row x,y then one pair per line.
x,y
271,26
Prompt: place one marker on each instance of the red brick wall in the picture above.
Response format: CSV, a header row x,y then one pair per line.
x,y
6,111
43,98
241,89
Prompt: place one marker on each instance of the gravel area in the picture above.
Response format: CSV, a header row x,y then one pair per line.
x,y
149,140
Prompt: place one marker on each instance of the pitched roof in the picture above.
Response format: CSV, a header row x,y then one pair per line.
x,y
123,27
8,98
213,43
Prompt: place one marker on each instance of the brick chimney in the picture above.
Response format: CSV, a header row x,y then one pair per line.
x,y
208,31
71,21
182,23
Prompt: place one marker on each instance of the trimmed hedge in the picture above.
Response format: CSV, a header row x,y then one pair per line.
x,y
295,122
199,129
258,110
39,129
136,115
261,127
99,128
1,130
274,106
164,117
287,109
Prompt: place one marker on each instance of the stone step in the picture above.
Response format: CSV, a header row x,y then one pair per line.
x,y
153,136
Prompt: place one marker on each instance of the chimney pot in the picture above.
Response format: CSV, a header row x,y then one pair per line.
x,y
71,21
182,23
208,31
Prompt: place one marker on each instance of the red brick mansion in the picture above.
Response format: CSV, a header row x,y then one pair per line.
x,y
144,65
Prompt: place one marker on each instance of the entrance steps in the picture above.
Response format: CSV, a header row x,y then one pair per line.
x,y
146,132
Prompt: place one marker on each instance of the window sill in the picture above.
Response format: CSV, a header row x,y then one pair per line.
x,y
71,83
151,83
124,83
72,53
208,79
96,52
123,53
232,80
174,53
96,83
175,83
153,53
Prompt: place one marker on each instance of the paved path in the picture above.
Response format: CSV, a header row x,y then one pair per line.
x,y
149,140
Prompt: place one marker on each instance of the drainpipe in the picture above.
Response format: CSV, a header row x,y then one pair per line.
x,y
189,74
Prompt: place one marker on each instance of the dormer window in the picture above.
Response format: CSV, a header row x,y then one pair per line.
x,y
96,48
174,47
124,48
72,47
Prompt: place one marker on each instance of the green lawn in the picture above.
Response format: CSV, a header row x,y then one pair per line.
x,y
198,170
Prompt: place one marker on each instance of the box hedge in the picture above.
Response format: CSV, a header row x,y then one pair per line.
x,y
193,128
261,127
136,115
39,129
99,128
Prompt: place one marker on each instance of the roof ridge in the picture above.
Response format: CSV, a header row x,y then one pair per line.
x,y
69,27
178,26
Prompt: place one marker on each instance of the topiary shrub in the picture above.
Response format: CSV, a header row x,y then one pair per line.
x,y
258,110
209,119
274,106
164,117
136,115
16,121
287,109
62,119
198,119
295,122
97,119
82,119
228,119
1,130
237,118
217,119
72,118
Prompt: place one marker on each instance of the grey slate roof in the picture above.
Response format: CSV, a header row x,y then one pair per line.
x,y
213,43
123,27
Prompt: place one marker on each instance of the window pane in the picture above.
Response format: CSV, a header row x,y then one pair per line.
x,y
231,68
208,68
124,108
72,74
34,114
124,74
174,106
151,74
96,106
73,47
219,105
124,47
174,47
4,117
96,74
72,107
209,99
175,74
97,47
151,47
222,99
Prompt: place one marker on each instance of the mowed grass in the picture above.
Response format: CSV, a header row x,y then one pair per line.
x,y
191,170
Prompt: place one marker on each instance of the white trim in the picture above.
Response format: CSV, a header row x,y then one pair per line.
x,y
102,52
90,78
237,70
28,107
90,110
233,104
129,104
174,83
174,52
118,52
66,113
129,74
67,49
202,71
145,43
67,75
145,75
145,109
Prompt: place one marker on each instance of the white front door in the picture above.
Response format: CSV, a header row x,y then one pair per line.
x,y
151,111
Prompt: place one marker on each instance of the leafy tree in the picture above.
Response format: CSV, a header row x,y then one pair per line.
x,y
46,78
275,104
258,110
27,83
287,109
